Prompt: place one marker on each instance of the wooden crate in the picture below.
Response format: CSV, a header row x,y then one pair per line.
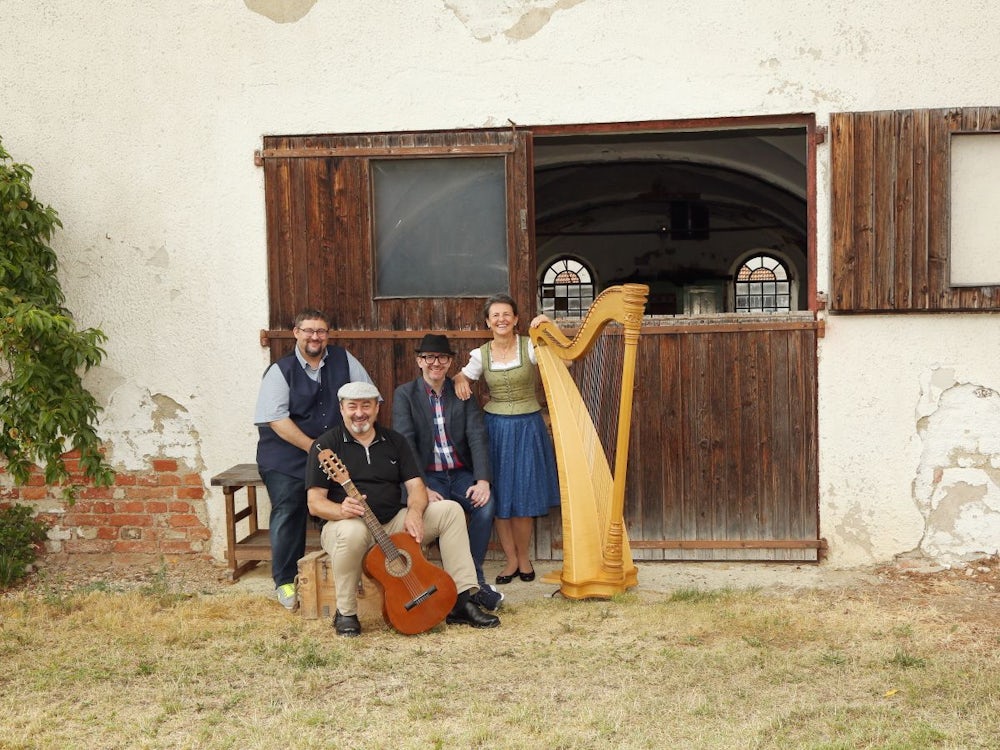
x,y
317,592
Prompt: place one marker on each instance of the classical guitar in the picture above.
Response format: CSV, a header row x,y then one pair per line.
x,y
417,594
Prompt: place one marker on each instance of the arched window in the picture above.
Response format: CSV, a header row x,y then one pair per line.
x,y
566,289
762,284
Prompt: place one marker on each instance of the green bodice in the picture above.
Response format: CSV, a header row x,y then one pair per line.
x,y
512,390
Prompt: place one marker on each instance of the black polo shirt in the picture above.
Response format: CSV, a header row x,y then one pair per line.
x,y
377,471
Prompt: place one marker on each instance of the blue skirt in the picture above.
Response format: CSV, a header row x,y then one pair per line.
x,y
525,482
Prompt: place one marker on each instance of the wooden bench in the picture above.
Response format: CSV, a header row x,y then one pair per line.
x,y
243,553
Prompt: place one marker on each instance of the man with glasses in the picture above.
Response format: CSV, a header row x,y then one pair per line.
x,y
297,402
449,439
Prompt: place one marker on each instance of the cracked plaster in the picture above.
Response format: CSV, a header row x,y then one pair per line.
x,y
957,484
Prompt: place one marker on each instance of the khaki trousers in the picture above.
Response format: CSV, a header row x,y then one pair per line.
x,y
346,542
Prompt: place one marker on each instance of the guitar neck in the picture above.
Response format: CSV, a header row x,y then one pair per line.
x,y
371,521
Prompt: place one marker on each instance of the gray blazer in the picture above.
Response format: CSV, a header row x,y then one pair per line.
x,y
412,416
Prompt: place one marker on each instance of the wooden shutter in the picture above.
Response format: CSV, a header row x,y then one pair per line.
x,y
890,174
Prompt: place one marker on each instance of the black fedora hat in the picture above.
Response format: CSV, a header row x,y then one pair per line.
x,y
435,343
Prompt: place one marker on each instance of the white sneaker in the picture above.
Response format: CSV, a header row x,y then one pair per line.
x,y
286,595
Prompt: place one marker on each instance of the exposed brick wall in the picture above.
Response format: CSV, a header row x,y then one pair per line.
x,y
157,511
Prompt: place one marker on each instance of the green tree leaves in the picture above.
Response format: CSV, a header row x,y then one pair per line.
x,y
44,409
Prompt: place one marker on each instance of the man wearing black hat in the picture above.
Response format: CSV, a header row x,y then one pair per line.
x,y
449,439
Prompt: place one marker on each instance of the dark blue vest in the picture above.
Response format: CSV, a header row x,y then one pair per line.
x,y
313,406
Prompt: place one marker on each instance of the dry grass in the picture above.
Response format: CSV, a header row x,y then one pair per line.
x,y
155,668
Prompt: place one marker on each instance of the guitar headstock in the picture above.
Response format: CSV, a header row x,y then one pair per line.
x,y
333,467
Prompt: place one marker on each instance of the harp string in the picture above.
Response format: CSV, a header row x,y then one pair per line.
x,y
598,378
600,387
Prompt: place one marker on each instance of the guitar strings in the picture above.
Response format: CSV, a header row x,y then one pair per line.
x,y
333,466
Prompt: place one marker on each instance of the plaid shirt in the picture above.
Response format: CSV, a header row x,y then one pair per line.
x,y
445,457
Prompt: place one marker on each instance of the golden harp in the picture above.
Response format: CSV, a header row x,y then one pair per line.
x,y
590,429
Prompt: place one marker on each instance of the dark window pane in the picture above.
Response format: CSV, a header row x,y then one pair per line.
x,y
440,226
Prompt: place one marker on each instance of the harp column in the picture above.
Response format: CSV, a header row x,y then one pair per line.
x,y
633,304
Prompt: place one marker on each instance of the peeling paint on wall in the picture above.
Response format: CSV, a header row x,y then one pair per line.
x,y
516,20
281,11
957,485
149,425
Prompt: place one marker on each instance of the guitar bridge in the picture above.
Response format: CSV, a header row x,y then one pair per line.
x,y
419,599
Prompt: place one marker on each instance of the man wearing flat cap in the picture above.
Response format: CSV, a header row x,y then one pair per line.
x,y
379,460
449,439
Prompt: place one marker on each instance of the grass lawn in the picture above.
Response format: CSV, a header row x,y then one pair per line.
x,y
911,664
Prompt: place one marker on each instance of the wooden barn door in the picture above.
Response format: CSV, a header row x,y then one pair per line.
x,y
321,246
723,453
723,463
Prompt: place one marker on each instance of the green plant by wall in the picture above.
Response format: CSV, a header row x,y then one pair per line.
x,y
45,410
20,533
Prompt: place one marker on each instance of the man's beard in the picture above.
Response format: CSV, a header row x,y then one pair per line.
x,y
360,428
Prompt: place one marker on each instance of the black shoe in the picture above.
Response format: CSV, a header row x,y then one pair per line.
x,y
526,576
346,625
467,613
488,597
502,579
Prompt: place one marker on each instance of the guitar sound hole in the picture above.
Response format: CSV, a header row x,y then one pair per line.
x,y
400,566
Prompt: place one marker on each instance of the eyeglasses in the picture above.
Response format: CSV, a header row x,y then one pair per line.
x,y
435,358
314,331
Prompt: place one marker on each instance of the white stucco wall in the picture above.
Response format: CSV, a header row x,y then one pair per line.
x,y
141,119
909,424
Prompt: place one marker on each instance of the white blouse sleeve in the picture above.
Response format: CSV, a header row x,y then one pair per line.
x,y
474,370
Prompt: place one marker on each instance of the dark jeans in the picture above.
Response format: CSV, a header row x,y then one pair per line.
x,y
289,517
452,485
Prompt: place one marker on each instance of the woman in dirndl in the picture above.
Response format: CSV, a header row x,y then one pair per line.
x,y
525,483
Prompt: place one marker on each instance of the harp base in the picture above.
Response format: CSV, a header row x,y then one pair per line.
x,y
602,586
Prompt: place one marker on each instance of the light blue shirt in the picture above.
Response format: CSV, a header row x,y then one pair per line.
x,y
272,401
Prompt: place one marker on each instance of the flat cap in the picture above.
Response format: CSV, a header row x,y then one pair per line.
x,y
358,390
